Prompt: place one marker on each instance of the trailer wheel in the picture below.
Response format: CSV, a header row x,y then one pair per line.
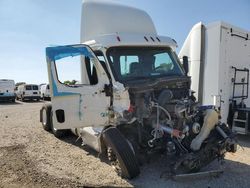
x,y
120,153
57,133
46,120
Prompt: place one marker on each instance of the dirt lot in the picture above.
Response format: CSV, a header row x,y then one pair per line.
x,y
32,157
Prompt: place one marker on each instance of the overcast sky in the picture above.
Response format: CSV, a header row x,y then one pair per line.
x,y
28,26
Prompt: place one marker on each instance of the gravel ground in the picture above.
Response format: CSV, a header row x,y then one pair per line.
x,y
32,157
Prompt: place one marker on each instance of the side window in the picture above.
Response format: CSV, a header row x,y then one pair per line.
x,y
71,73
100,57
91,71
69,70
102,61
127,64
163,62
35,87
28,87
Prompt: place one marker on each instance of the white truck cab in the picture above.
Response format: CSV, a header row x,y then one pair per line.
x,y
7,90
132,94
28,92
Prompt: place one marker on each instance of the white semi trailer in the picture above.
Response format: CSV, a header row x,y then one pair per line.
x,y
219,59
134,96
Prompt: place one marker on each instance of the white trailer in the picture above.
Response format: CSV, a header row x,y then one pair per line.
x,y
7,90
28,92
219,59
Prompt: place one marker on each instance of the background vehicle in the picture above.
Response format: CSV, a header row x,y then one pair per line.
x,y
219,58
7,90
45,91
28,92
134,96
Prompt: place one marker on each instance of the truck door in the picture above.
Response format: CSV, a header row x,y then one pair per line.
x,y
80,102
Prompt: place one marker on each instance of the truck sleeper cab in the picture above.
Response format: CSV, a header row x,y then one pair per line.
x,y
28,92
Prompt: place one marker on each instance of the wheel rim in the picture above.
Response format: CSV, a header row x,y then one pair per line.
x,y
44,117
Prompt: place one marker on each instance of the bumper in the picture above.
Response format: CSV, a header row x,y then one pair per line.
x,y
31,97
7,98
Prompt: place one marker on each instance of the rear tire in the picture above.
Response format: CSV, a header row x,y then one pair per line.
x,y
46,120
57,133
123,152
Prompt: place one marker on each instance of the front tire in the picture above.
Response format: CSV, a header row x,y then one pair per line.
x,y
122,152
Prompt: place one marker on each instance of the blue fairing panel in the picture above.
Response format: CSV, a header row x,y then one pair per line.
x,y
59,52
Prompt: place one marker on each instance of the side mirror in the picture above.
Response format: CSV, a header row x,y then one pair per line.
x,y
185,64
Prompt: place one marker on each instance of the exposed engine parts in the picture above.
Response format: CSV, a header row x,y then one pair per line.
x,y
196,127
179,127
210,120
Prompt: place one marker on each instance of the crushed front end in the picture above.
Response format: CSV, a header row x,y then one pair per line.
x,y
163,115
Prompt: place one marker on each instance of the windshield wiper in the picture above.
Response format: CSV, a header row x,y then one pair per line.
x,y
138,78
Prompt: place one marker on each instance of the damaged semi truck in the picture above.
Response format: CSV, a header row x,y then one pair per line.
x,y
133,96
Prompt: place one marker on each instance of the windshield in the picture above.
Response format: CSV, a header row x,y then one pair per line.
x,y
30,87
35,87
139,62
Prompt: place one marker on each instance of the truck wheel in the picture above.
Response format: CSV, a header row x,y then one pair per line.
x,y
120,153
57,133
46,120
